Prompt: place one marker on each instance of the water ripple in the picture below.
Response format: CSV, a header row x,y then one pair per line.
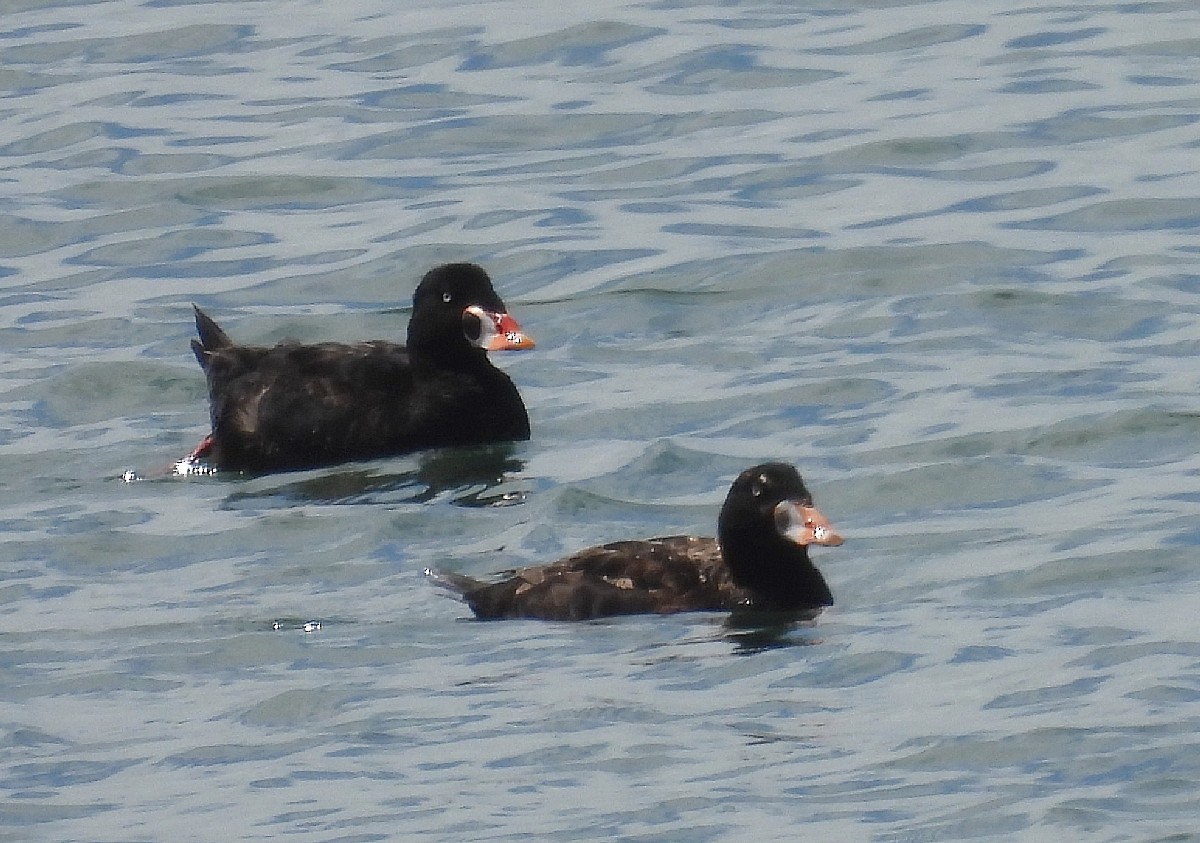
x,y
940,256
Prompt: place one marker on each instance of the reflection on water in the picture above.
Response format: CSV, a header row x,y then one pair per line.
x,y
754,632
486,475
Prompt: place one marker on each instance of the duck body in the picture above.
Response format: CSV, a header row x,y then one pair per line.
x,y
669,574
294,405
758,562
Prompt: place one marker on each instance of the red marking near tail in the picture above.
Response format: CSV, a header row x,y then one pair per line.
x,y
202,450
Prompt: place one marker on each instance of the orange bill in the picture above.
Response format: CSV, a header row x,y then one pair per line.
x,y
804,524
498,331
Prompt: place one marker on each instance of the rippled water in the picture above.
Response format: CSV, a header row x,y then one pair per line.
x,y
941,255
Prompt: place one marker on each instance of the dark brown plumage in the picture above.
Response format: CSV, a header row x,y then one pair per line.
x,y
759,561
294,406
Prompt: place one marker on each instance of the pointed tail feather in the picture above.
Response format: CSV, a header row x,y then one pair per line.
x,y
211,339
460,584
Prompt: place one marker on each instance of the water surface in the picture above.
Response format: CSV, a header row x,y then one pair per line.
x,y
941,255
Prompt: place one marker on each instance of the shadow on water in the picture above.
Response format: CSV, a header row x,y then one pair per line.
x,y
474,477
758,631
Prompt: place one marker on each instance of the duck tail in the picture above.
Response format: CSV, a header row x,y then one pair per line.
x,y
460,584
212,338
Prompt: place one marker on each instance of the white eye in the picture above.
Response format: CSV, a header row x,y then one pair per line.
x,y
447,298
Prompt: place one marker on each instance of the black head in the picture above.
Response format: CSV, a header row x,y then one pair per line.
x,y
765,527
457,311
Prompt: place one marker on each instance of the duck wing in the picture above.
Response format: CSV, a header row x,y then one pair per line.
x,y
662,575
292,405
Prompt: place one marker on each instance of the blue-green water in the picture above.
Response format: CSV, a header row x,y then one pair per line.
x,y
941,255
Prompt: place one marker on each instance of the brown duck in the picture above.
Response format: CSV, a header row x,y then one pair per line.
x,y
758,561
